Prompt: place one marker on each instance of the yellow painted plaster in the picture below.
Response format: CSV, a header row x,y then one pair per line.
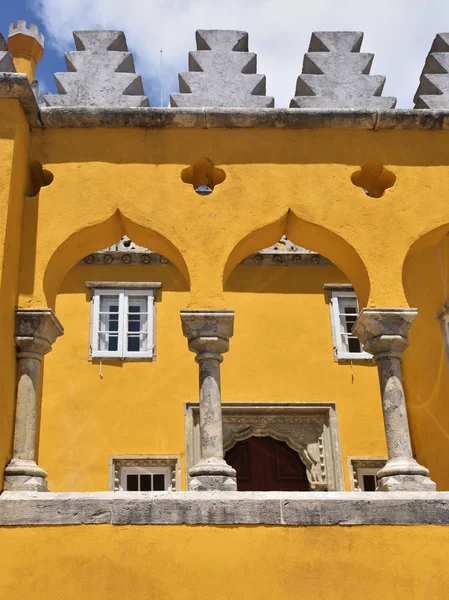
x,y
281,348
269,174
425,366
110,562
14,139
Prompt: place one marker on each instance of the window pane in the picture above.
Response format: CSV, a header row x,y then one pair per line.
x,y
133,343
145,483
137,304
108,322
158,482
109,303
369,483
137,343
354,345
132,483
108,342
134,322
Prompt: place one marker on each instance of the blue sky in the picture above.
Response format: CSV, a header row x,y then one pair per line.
x,y
398,32
11,12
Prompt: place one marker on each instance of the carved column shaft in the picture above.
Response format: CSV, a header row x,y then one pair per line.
x,y
384,334
29,368
211,427
394,408
208,333
36,330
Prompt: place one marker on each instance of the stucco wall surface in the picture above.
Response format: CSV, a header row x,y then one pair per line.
x,y
188,562
281,351
115,181
14,139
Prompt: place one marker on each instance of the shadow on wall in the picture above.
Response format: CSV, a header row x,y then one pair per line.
x,y
283,280
235,146
101,235
425,366
306,235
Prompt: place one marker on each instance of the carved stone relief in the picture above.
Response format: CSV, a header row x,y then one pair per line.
x,y
310,429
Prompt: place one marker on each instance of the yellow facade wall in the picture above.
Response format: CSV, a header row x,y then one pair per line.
x,y
426,367
14,141
110,562
281,352
129,180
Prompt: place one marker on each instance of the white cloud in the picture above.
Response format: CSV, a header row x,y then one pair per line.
x,y
398,32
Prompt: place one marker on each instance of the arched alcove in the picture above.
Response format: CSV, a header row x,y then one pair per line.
x,y
307,235
265,463
101,235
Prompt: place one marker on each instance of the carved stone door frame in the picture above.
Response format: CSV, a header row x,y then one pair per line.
x,y
309,428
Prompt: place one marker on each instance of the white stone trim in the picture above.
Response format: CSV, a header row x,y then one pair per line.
x,y
127,285
224,508
309,428
118,461
363,462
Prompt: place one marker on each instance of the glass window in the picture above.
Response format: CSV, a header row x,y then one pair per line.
x,y
344,312
145,479
122,323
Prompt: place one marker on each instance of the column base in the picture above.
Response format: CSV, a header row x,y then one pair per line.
x,y
404,475
209,483
406,483
25,476
212,474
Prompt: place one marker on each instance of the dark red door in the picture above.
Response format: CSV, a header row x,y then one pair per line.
x,y
265,464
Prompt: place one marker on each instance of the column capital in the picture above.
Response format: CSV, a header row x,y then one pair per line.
x,y
384,331
35,331
208,331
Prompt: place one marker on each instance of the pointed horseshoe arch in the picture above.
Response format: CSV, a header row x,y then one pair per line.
x,y
103,234
310,236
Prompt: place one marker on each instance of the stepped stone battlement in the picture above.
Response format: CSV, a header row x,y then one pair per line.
x,y
222,73
6,64
433,89
336,75
100,73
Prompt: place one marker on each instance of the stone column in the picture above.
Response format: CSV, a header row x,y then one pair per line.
x,y
35,332
208,333
384,334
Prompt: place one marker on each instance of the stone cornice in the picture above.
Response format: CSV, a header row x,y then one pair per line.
x,y
241,118
16,85
224,508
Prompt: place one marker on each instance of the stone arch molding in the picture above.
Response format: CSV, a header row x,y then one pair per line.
x,y
308,235
94,237
311,429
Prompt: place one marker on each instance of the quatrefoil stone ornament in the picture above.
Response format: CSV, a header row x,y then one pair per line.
x,y
373,178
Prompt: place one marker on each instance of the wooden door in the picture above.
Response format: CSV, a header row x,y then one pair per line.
x,y
265,464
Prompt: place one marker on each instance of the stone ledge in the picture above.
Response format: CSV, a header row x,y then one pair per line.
x,y
224,508
16,85
240,118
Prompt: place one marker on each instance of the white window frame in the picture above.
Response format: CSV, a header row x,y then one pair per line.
x,y
123,297
127,464
361,471
340,353
125,471
363,465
